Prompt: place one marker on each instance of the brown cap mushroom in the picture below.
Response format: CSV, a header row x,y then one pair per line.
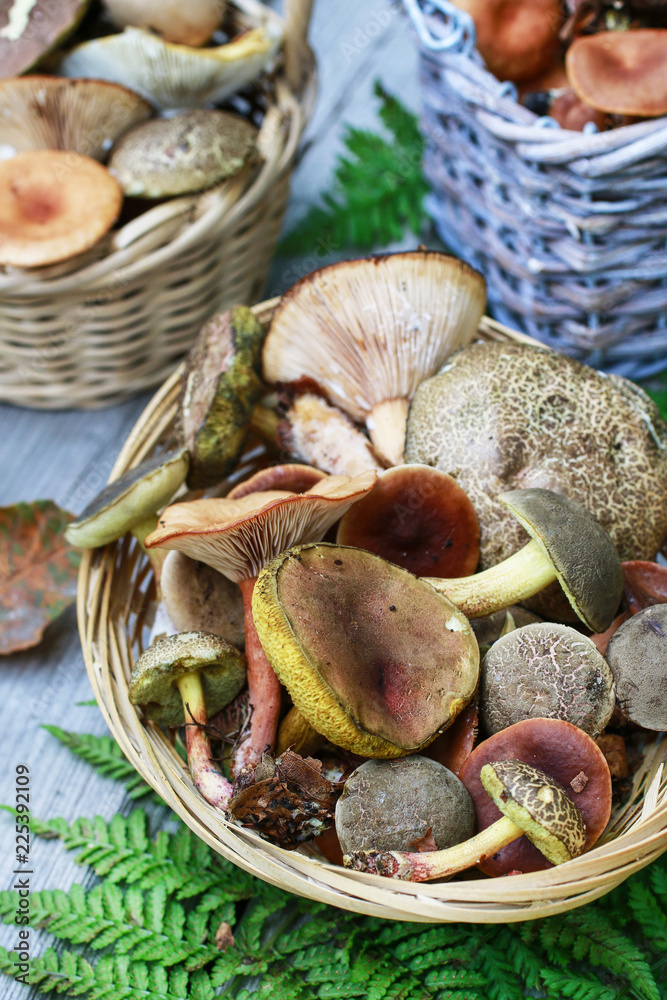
x,y
199,599
53,205
637,655
568,544
516,38
644,583
455,745
191,23
293,478
545,670
621,72
368,331
30,29
376,661
565,753
418,518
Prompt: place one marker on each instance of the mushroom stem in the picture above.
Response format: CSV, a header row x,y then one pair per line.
x,y
513,580
297,734
156,557
264,421
264,691
422,867
387,423
214,787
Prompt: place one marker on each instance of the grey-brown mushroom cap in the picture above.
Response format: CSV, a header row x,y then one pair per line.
x,y
583,555
128,500
153,685
637,655
387,805
549,671
539,806
198,598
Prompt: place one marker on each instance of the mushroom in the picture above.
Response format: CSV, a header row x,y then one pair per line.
x,y
391,805
418,518
621,72
368,331
183,679
491,627
199,599
454,746
568,755
644,583
174,76
237,537
83,116
31,28
53,205
501,417
531,803
314,431
546,671
637,655
375,660
188,24
183,153
291,477
219,389
568,544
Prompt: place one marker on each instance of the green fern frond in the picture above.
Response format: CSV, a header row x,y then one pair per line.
x,y
104,754
577,985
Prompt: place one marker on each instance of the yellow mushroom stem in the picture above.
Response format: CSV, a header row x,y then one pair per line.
x,y
387,423
156,557
297,734
422,867
508,582
264,422
211,783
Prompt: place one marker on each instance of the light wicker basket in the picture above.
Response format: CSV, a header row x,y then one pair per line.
x,y
569,228
116,596
115,320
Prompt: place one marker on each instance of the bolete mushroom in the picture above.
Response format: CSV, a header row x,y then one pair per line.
x,y
568,544
183,153
238,537
192,23
199,599
644,583
53,205
183,679
501,417
531,802
621,72
549,671
367,332
30,29
418,518
637,655
375,660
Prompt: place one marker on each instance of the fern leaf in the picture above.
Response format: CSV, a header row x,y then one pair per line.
x,y
577,985
104,754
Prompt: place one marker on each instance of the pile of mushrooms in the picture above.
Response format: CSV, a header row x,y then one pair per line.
x,y
343,636
597,64
107,112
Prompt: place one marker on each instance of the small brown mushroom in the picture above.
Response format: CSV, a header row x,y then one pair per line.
x,y
199,599
516,38
644,583
191,23
294,478
637,655
454,746
621,72
418,518
545,671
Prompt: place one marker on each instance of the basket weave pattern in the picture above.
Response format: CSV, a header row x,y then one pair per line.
x,y
569,228
116,599
115,320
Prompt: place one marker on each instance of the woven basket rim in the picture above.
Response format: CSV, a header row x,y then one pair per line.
x,y
480,900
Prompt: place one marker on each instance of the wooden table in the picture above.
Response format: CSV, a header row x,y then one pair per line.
x,y
67,456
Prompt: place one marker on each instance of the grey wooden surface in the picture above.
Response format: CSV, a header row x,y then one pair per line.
x,y
67,456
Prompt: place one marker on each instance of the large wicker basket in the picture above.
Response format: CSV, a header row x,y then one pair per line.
x,y
569,228
116,596
115,320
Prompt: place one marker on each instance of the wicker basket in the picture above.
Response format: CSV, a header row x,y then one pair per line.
x,y
91,331
569,228
116,597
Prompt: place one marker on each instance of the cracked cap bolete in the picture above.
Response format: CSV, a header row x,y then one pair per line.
x,y
375,660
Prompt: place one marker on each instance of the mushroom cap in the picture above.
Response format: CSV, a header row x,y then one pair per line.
x,y
546,671
238,537
219,390
175,76
539,806
29,30
491,627
292,477
187,152
129,500
370,330
644,583
53,205
153,683
621,72
84,116
637,655
418,518
563,752
199,599
454,746
188,24
373,657
583,555
507,416
516,38
387,805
